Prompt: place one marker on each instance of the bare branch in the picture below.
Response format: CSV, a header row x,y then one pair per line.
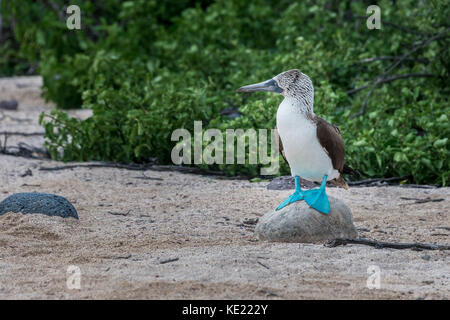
x,y
137,167
393,78
405,29
376,180
417,47
379,79
380,245
368,60
24,134
420,201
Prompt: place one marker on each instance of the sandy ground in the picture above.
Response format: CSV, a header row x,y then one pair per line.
x,y
132,222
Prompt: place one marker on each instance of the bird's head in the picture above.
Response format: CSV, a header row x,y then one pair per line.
x,y
292,83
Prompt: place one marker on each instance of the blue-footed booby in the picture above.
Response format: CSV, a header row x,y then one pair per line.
x,y
312,147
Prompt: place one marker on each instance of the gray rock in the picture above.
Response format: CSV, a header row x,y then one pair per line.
x,y
298,222
33,202
426,257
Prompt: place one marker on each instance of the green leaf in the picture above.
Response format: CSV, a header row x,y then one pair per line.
x,y
440,143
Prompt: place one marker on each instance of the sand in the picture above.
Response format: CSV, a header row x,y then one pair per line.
x,y
169,235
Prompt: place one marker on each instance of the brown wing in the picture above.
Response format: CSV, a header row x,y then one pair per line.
x,y
331,140
280,145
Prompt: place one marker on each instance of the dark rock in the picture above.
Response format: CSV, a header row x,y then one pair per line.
x,y
251,221
298,222
8,104
27,173
33,202
287,183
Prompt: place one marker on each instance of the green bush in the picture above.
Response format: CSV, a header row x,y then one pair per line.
x,y
146,68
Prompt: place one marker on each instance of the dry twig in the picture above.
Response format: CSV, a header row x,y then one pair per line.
x,y
377,180
120,213
380,245
422,200
24,134
169,260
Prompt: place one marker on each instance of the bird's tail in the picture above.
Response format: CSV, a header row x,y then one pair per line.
x,y
340,182
350,170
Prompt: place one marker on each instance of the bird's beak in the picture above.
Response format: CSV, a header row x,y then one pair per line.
x,y
269,85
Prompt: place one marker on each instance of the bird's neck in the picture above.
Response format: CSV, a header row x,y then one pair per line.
x,y
303,103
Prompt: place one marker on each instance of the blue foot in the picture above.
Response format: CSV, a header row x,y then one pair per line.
x,y
318,199
296,196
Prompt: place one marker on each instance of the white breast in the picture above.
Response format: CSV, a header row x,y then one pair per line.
x,y
303,151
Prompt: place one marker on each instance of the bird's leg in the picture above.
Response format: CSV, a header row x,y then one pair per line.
x,y
296,196
317,198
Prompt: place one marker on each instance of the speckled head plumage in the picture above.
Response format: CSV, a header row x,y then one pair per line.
x,y
296,85
292,84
